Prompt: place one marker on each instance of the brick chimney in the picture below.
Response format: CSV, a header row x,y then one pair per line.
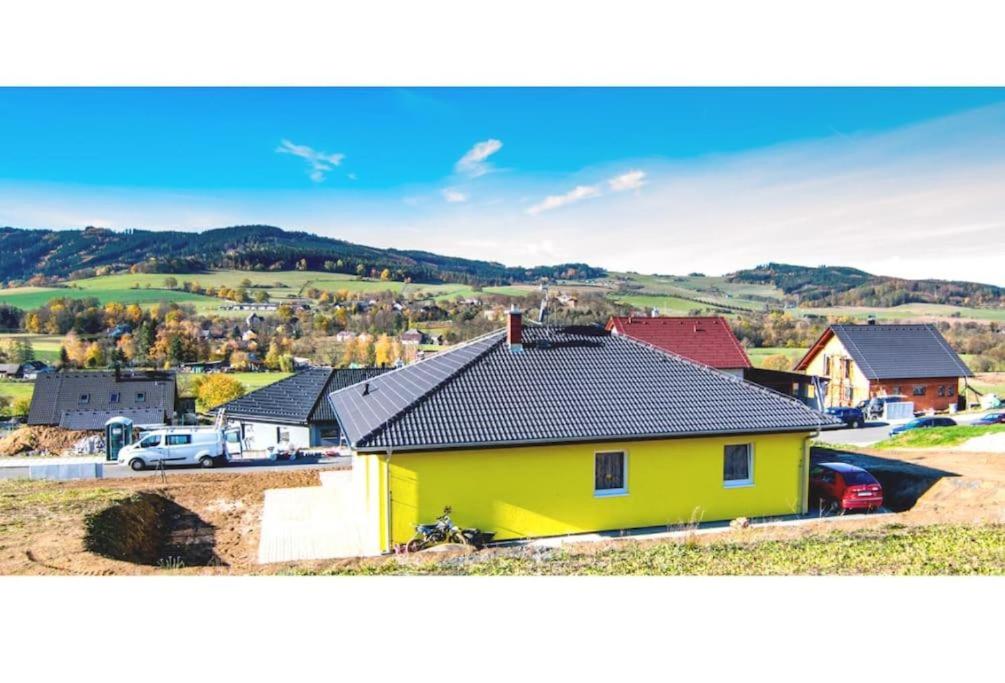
x,y
514,329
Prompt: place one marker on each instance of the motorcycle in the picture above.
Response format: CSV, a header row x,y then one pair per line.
x,y
443,530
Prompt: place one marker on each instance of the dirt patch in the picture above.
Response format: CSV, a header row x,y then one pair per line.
x,y
41,439
210,523
149,528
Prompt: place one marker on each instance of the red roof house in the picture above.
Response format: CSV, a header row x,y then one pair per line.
x,y
706,340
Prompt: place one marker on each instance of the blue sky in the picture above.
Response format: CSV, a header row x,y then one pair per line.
x,y
653,180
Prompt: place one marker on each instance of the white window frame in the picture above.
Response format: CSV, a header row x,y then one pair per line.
x,y
609,493
739,483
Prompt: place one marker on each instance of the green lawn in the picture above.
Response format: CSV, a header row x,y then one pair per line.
x,y
758,355
46,346
16,390
887,550
940,436
667,305
257,380
906,312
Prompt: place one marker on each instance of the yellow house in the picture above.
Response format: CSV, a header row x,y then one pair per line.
x,y
545,431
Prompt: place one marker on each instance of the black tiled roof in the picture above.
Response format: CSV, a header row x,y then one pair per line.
x,y
96,419
568,384
297,399
900,351
60,392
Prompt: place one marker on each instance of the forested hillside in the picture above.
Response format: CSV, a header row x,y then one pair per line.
x,y
79,253
839,286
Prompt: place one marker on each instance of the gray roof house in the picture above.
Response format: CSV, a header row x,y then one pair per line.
x,y
537,431
565,384
297,401
82,399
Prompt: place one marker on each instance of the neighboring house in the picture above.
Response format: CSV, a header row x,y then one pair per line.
x,y
710,341
204,366
863,361
545,431
119,331
10,370
293,410
33,368
80,399
344,336
412,337
706,340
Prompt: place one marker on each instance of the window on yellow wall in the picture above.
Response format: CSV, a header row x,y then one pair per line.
x,y
610,473
738,465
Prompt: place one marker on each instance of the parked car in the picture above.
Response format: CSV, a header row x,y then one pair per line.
x,y
852,417
182,446
876,406
923,423
842,487
990,419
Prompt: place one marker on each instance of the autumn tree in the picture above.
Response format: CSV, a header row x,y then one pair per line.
x,y
216,389
170,282
777,361
382,351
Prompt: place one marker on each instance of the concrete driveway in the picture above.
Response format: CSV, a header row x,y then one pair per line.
x,y
313,522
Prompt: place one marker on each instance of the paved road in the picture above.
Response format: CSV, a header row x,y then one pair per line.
x,y
873,431
15,469
113,471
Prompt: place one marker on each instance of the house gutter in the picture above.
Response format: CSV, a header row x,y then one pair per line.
x,y
597,439
387,496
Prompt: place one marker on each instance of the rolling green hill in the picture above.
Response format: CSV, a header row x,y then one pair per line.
x,y
63,253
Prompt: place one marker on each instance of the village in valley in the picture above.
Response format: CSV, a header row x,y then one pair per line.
x,y
354,419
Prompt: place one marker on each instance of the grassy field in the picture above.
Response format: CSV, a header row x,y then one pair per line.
x,y
907,312
989,383
149,288
941,436
890,550
46,346
16,390
757,356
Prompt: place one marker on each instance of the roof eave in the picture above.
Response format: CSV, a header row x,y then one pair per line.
x,y
593,439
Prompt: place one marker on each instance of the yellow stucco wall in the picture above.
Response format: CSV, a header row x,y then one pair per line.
x,y
836,394
549,490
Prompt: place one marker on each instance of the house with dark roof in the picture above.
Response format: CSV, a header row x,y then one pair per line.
x,y
540,431
86,399
710,340
864,361
294,410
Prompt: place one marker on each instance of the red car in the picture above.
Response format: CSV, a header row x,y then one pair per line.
x,y
845,487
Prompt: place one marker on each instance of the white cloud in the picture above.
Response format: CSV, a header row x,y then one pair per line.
x,y
318,162
554,201
454,196
632,180
475,163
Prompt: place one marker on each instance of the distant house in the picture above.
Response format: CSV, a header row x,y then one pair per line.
x,y
344,336
294,410
204,366
79,399
33,368
120,330
707,340
412,337
863,361
10,370
710,341
546,431
254,320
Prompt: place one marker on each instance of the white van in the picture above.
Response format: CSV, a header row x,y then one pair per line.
x,y
205,446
